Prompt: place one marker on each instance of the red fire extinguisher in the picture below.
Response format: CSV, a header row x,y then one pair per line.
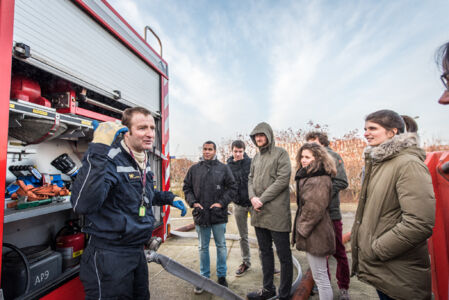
x,y
70,243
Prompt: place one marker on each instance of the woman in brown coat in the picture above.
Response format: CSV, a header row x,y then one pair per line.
x,y
313,230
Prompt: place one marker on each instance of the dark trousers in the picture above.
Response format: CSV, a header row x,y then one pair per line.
x,y
382,296
340,255
281,240
114,273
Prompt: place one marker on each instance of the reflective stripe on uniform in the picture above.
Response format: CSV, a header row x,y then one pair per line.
x,y
113,152
98,277
85,180
123,169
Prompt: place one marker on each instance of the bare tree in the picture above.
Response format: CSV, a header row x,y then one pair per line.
x,y
350,146
178,171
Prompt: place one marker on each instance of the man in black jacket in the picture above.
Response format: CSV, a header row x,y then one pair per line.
x,y
209,187
339,182
240,164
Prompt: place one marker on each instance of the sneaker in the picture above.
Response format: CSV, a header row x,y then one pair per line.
x,y
344,294
262,294
242,269
222,281
197,290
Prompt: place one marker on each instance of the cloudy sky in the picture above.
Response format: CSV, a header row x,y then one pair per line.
x,y
236,63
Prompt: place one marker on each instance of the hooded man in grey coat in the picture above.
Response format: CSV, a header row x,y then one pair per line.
x,y
268,189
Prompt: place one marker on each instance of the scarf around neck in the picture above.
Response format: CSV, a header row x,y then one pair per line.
x,y
139,157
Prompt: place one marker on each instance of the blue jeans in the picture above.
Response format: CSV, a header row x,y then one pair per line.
x,y
219,231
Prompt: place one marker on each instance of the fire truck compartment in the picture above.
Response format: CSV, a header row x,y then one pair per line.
x,y
68,42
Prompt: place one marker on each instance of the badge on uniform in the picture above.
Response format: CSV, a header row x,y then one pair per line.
x,y
134,175
142,210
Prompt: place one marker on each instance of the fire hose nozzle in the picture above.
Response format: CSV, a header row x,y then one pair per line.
x,y
151,256
154,243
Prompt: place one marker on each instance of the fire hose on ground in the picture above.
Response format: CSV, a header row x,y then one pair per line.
x,y
184,273
305,286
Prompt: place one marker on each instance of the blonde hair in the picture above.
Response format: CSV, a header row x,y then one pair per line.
x,y
322,159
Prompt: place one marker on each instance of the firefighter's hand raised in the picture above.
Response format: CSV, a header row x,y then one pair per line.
x,y
106,132
179,204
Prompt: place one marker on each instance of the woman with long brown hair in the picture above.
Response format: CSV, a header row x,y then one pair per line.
x,y
313,231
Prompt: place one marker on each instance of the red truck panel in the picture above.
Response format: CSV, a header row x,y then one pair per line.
x,y
72,290
439,243
6,32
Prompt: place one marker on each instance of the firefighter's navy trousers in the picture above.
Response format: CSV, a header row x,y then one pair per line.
x,y
112,272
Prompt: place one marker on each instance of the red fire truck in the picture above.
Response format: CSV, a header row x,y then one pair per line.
x,y
64,63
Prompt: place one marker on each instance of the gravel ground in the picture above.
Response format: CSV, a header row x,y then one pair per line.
x,y
185,251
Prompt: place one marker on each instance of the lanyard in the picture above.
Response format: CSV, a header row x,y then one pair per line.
x,y
143,176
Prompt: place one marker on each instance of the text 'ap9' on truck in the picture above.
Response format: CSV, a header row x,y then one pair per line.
x,y
64,64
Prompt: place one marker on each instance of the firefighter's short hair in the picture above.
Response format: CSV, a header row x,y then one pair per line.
x,y
129,113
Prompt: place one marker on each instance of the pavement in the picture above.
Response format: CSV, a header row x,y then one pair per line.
x,y
184,250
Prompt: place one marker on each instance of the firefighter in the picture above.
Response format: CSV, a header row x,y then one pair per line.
x,y
114,191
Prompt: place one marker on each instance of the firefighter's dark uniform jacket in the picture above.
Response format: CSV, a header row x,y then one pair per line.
x,y
206,183
108,191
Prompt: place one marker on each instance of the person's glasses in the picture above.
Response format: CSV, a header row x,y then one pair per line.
x,y
444,80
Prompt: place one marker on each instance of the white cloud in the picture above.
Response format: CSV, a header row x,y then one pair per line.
x,y
294,61
337,72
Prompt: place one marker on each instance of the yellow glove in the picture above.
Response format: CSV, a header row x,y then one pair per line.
x,y
106,132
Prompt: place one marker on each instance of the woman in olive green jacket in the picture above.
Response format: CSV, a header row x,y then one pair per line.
x,y
396,211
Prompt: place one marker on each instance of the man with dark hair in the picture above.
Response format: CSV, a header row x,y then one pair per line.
x,y
319,136
238,144
114,190
209,187
268,189
339,182
240,163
